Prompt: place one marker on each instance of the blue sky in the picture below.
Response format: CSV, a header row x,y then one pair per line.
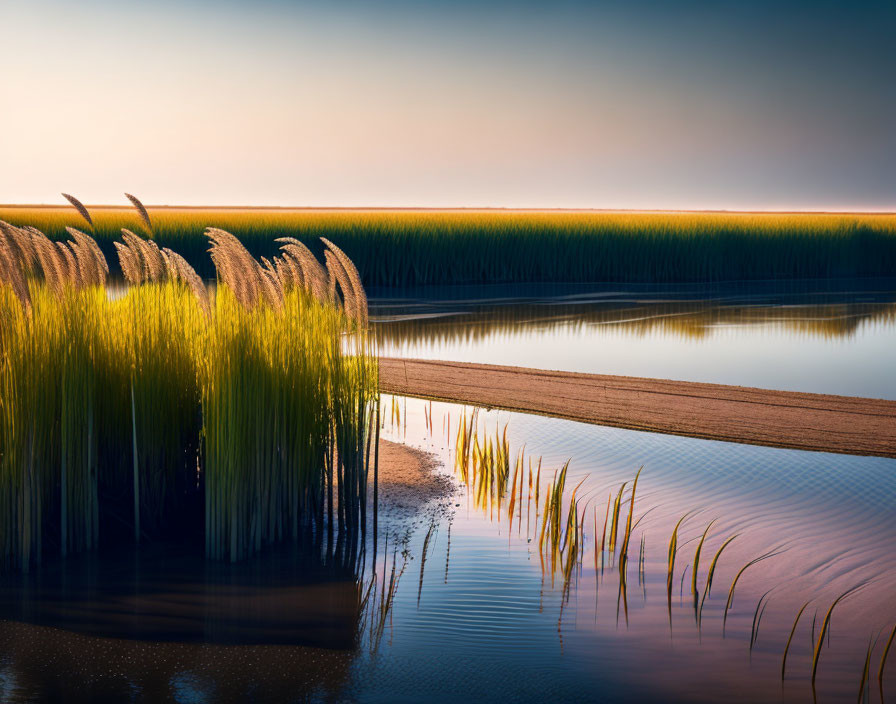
x,y
606,105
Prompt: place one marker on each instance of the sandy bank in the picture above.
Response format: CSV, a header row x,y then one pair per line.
x,y
802,421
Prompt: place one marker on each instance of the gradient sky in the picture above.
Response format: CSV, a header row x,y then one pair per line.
x,y
747,105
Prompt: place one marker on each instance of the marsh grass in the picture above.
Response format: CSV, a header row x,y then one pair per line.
x,y
825,629
757,618
496,485
883,662
673,551
707,590
143,410
402,248
866,671
754,561
790,638
696,569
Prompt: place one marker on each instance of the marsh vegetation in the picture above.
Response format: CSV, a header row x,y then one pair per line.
x,y
406,248
245,414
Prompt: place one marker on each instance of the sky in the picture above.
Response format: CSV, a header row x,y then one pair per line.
x,y
642,105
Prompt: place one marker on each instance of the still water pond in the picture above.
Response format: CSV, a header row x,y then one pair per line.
x,y
824,337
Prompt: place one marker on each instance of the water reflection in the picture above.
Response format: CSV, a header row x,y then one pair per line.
x,y
826,337
704,617
166,624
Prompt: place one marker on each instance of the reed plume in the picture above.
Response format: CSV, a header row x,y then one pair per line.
x,y
70,269
314,278
50,264
354,278
337,275
11,274
15,261
270,289
90,257
20,242
236,267
130,266
290,272
79,206
188,275
142,211
140,266
147,254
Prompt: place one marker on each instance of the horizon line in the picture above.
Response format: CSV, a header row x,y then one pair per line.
x,y
490,208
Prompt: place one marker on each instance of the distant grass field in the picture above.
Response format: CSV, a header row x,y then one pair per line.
x,y
401,248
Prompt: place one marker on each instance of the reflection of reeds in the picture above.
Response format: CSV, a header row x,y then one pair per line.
x,y
375,608
482,463
426,539
682,319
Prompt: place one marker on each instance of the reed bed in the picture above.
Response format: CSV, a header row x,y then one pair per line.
x,y
156,409
406,248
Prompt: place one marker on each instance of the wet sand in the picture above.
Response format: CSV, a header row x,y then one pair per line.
x,y
802,421
409,480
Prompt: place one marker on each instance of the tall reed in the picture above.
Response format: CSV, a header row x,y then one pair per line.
x,y
147,408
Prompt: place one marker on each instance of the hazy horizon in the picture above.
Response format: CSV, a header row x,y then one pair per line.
x,y
626,106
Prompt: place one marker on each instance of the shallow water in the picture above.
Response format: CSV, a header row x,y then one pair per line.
x,y
824,337
481,619
831,515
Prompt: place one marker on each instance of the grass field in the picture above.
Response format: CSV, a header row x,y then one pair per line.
x,y
416,247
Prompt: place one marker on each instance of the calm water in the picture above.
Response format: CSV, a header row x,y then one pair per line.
x,y
481,618
826,338
475,612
